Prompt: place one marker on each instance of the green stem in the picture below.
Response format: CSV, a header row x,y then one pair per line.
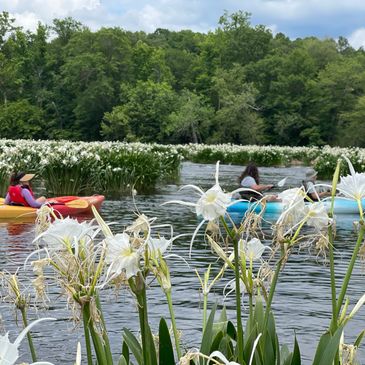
x,y
143,318
87,339
29,336
238,302
205,305
238,291
272,289
108,352
174,327
98,346
350,268
333,325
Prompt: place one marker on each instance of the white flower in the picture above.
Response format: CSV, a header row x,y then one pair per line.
x,y
158,245
213,203
121,256
65,233
352,186
317,216
252,249
9,351
293,208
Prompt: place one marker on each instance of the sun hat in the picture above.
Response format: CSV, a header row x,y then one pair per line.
x,y
310,174
26,177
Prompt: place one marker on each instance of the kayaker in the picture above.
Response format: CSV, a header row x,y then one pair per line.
x,y
250,178
20,192
315,193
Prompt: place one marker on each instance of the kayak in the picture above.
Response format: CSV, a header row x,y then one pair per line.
x,y
63,205
341,206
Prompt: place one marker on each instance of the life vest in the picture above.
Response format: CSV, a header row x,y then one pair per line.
x,y
16,196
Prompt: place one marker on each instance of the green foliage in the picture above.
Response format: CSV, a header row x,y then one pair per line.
x,y
236,84
20,119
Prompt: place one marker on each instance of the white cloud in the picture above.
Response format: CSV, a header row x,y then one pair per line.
x,y
28,13
357,38
27,20
295,18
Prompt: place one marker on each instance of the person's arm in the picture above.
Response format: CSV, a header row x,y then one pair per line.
x,y
7,199
249,182
261,187
30,200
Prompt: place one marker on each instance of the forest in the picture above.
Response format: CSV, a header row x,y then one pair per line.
x,y
238,84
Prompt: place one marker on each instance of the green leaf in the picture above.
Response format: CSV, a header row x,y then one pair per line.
x,y
249,343
268,350
327,348
359,339
284,354
152,356
122,360
208,333
231,331
133,345
166,351
216,342
296,354
125,351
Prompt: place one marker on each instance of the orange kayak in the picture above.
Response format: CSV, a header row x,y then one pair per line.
x,y
64,205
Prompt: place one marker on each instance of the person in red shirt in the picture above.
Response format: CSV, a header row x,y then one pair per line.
x,y
20,192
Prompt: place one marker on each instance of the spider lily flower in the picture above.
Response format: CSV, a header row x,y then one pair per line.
x,y
121,256
9,351
211,205
252,249
141,224
293,209
65,234
158,246
316,216
353,185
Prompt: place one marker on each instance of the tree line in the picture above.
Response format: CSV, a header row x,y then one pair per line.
x,y
238,83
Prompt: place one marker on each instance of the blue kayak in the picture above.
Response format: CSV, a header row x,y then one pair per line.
x,y
341,206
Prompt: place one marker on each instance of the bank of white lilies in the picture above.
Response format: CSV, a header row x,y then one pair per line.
x,y
80,168
87,258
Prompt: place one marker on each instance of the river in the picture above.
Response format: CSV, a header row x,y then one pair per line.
x,y
301,304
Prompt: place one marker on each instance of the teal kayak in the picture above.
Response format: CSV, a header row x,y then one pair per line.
x,y
341,206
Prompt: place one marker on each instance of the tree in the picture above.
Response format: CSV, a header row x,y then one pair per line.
x,y
237,119
143,114
20,119
191,120
353,125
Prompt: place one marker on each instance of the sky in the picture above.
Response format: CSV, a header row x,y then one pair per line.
x,y
294,18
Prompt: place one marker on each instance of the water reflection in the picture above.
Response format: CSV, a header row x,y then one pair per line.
x,y
301,304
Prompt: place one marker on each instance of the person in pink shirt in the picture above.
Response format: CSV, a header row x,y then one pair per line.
x,y
20,192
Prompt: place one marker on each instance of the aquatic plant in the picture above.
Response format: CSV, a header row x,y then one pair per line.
x,y
87,258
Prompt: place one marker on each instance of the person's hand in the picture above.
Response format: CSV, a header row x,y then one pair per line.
x,y
269,187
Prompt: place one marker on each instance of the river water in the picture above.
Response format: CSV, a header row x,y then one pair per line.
x,y
301,304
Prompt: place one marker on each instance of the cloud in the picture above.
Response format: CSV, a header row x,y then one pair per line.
x,y
28,12
357,38
295,18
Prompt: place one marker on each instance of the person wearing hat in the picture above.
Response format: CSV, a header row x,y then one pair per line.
x,y
20,193
313,192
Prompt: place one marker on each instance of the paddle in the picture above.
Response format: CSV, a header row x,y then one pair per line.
x,y
282,182
77,203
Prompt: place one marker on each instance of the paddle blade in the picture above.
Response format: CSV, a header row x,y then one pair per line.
x,y
77,203
282,182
